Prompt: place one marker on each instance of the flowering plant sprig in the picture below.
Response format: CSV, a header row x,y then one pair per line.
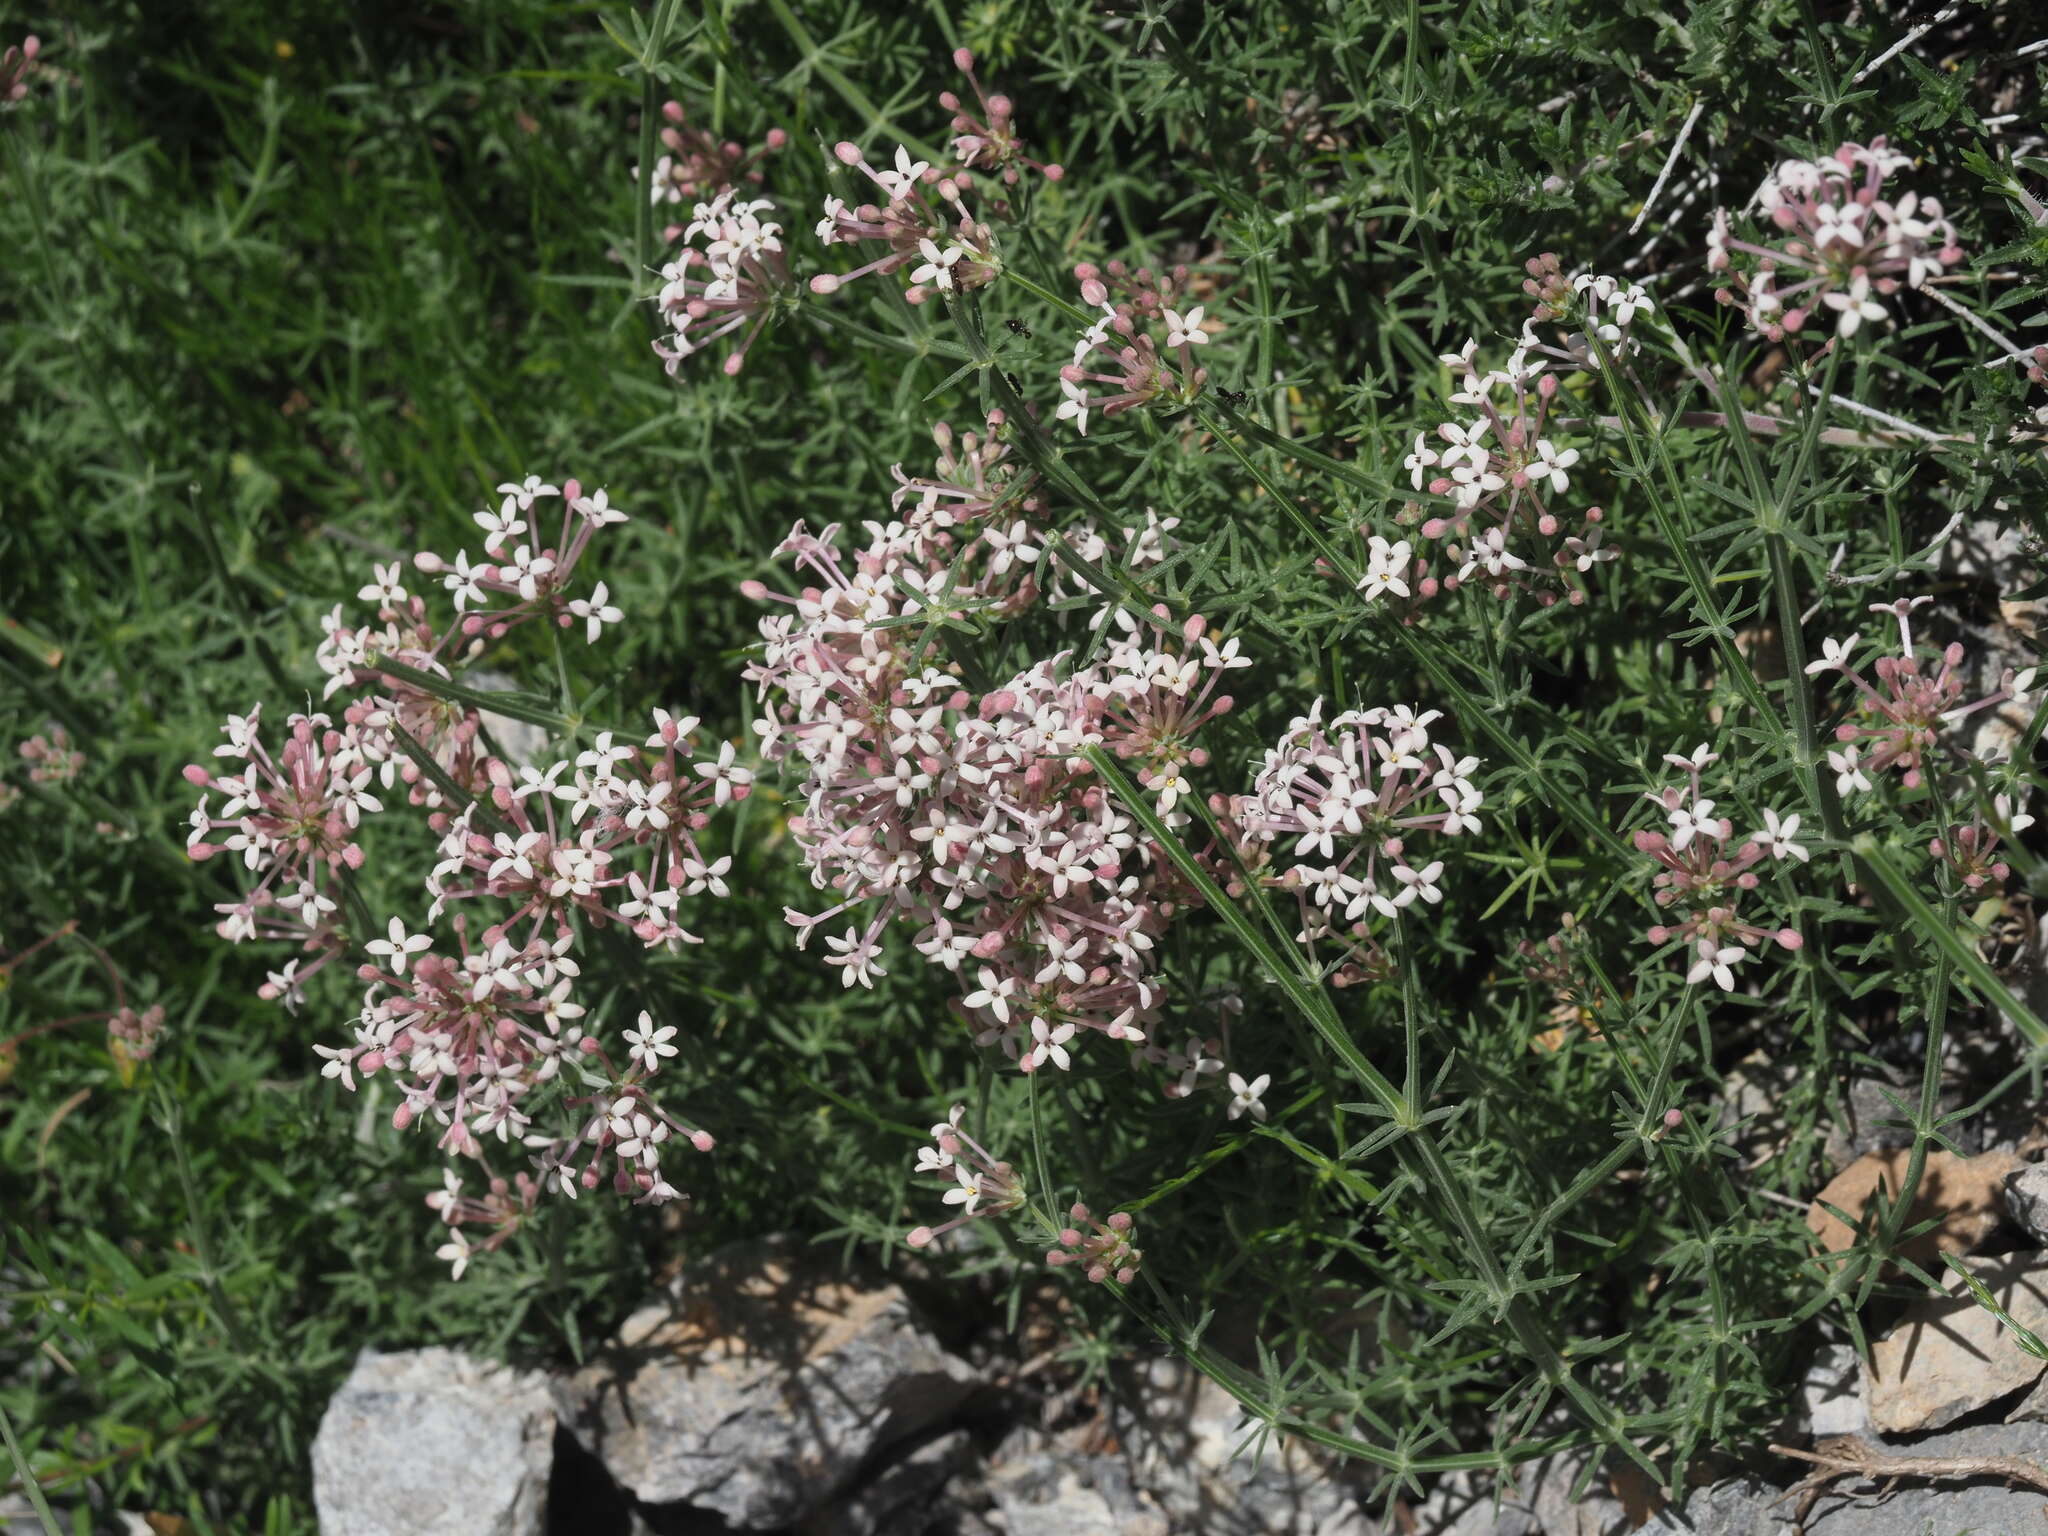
x,y
1705,873
989,142
739,275
471,1036
982,1187
1345,802
1119,353
698,167
978,820
1502,473
922,223
1842,244
1911,710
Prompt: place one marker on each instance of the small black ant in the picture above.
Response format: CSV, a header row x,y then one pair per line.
x,y
1234,398
1018,328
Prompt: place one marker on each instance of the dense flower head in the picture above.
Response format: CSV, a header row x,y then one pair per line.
x,y
1705,873
1343,814
921,223
18,64
976,1182
989,142
698,166
529,858
1840,245
980,822
1141,348
1903,720
52,759
1504,474
736,277
1104,1249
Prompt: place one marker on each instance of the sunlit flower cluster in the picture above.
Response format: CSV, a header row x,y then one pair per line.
x,y
1505,479
979,822
736,276
921,223
1705,874
1336,815
1140,350
1841,246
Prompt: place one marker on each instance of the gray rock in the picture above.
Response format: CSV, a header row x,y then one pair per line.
x,y
1041,1488
1948,1356
1547,1485
1852,1507
1831,1395
1463,1505
1188,1445
898,1500
1742,1506
2026,1198
757,1389
430,1442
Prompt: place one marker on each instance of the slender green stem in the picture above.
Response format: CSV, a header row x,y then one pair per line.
x,y
29,1483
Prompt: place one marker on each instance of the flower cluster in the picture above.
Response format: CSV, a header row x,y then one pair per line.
x,y
981,822
292,817
1841,244
980,1185
133,1036
493,595
697,166
989,142
1117,362
1705,874
922,223
1346,800
738,276
1607,308
1503,475
52,759
17,65
1105,1250
471,1036
1900,719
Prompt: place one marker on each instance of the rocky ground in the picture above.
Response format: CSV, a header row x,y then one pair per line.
x,y
761,1395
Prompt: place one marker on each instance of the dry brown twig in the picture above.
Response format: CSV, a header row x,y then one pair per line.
x,y
1851,1455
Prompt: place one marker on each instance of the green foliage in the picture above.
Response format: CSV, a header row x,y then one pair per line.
x,y
293,286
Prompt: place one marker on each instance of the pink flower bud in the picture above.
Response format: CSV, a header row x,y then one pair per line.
x,y
1788,938
848,152
824,283
1059,173
401,1117
919,1237
963,60
703,1141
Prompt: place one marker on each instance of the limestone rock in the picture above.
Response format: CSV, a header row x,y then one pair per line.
x,y
430,1442
1948,1356
1042,1489
1986,1507
1741,1506
1831,1395
897,1499
1183,1445
2026,1198
1966,1193
757,1389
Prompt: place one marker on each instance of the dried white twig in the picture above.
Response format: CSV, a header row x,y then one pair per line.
x,y
1677,144
2012,348
1945,14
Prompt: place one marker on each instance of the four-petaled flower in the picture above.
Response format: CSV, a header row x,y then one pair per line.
x,y
1245,1097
